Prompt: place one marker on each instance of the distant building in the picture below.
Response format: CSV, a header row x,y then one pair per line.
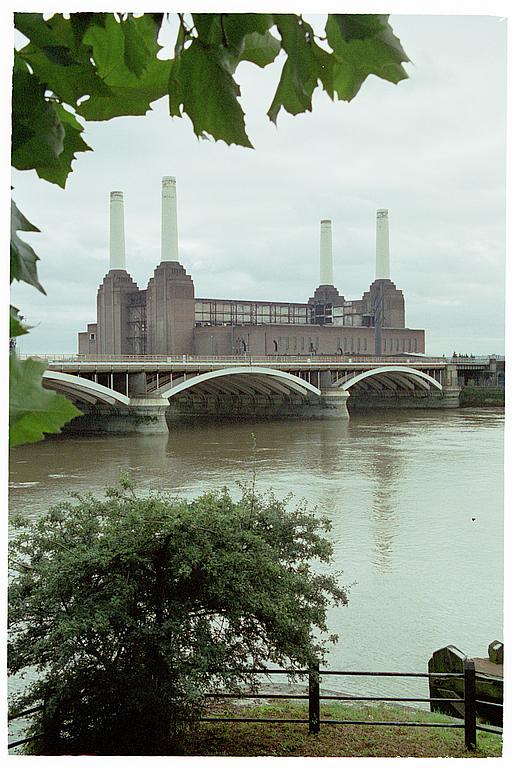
x,y
167,319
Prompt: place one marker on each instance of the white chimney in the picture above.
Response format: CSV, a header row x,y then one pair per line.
x,y
382,249
117,249
326,277
169,220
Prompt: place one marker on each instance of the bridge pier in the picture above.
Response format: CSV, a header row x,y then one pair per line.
x,y
450,397
333,404
142,415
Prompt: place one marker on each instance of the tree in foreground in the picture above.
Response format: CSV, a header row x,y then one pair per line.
x,y
132,608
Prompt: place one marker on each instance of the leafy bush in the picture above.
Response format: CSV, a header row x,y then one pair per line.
x,y
132,608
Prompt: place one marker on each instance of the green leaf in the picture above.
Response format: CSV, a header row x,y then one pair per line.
x,y
34,411
260,49
16,327
128,94
23,257
73,143
59,54
360,26
58,60
80,23
208,27
363,46
289,94
36,28
130,98
37,135
301,70
202,86
238,26
137,51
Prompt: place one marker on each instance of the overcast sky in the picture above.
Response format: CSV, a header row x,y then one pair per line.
x,y
430,149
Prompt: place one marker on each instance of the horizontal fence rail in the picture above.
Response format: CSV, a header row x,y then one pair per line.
x,y
240,359
315,697
19,716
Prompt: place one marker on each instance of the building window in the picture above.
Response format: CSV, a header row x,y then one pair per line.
x,y
92,337
415,345
365,344
358,344
397,345
384,342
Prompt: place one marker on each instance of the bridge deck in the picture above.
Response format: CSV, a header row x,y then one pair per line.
x,y
252,359
132,363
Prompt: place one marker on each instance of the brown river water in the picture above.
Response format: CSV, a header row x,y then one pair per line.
x,y
416,501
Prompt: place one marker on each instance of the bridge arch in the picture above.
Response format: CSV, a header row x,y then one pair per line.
x,y
391,377
79,388
253,380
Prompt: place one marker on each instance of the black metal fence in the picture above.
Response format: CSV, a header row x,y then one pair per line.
x,y
314,698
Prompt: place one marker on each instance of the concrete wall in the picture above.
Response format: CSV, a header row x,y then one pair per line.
x,y
259,406
304,340
170,311
393,303
359,401
87,341
146,415
112,314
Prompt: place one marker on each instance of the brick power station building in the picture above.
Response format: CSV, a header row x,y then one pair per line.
x,y
166,318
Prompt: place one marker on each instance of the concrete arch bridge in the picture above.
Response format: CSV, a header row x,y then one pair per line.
x,y
127,394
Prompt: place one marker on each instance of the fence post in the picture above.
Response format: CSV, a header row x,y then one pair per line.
x,y
469,704
314,699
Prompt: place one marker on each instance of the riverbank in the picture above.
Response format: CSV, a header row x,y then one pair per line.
x,y
482,397
293,740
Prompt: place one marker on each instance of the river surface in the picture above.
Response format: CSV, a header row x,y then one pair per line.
x,y
416,501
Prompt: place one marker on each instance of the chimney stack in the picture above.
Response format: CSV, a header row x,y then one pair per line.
x,y
169,220
326,276
117,249
382,249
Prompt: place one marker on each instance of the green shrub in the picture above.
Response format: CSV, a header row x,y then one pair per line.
x,y
132,609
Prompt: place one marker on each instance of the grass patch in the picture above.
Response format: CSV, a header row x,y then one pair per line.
x,y
482,396
293,740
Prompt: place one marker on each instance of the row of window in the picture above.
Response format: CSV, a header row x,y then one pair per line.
x,y
400,344
238,313
311,344
307,344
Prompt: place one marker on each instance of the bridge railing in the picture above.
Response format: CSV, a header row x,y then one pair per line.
x,y
241,359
